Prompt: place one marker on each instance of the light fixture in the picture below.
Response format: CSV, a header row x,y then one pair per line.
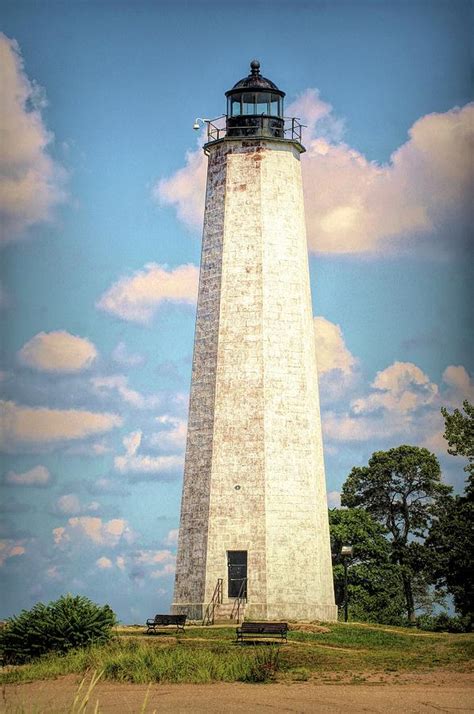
x,y
197,123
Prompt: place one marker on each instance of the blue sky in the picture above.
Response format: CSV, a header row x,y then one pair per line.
x,y
101,206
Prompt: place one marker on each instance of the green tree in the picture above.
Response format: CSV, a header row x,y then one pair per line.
x,y
400,488
459,433
374,583
451,545
451,538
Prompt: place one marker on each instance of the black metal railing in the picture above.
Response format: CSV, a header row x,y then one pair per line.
x,y
292,128
215,602
239,602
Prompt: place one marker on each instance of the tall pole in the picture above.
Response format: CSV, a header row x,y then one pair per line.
x,y
345,590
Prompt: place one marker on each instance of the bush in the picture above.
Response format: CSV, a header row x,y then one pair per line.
x,y
443,623
56,627
264,666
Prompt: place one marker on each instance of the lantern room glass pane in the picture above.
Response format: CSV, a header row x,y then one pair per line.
x,y
255,103
236,107
248,103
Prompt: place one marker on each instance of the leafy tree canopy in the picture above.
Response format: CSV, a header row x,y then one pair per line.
x,y
459,433
374,583
451,546
399,488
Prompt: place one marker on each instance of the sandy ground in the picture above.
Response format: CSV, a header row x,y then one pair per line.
x,y
434,692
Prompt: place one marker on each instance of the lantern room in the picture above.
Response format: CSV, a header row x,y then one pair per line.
x,y
255,107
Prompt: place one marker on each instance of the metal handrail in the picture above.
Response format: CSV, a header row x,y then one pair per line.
x,y
216,600
239,601
214,132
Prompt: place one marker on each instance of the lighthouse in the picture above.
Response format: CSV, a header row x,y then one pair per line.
x,y
254,532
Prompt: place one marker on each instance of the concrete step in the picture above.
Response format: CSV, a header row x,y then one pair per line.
x,y
223,612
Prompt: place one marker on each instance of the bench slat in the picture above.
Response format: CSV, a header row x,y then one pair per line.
x,y
163,620
262,629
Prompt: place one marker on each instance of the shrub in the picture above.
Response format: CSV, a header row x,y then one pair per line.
x,y
56,627
264,666
443,623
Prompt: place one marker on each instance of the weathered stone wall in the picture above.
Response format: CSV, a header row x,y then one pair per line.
x,y
254,413
192,548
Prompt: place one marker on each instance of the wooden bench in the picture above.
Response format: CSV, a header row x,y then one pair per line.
x,y
256,630
178,621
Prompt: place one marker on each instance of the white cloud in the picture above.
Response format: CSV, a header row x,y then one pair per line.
x,y
317,116
10,549
168,569
345,427
146,562
334,499
93,529
103,563
53,573
137,298
119,383
153,557
164,558
37,476
97,448
31,183
457,385
173,437
120,562
185,189
69,504
402,387
420,198
460,385
59,535
357,206
122,356
58,352
135,463
172,537
331,350
403,404
40,425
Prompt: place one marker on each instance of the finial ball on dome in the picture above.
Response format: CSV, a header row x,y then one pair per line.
x,y
255,66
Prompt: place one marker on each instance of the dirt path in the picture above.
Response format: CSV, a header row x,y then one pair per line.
x,y
437,692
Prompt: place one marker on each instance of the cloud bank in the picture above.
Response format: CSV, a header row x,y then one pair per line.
x,y
331,350
357,206
420,199
31,182
40,425
58,352
137,298
37,476
133,463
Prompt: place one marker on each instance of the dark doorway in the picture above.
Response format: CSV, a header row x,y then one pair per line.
x,y
237,573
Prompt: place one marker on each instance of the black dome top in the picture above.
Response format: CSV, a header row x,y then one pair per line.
x,y
255,82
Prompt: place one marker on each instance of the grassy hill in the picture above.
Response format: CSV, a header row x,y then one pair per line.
x,y
336,652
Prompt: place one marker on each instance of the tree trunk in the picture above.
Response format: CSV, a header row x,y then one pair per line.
x,y
410,603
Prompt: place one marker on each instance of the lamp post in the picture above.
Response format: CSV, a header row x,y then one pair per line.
x,y
346,552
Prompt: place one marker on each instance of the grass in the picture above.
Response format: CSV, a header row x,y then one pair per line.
x,y
203,655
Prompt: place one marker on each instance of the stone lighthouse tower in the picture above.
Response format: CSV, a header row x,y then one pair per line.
x,y
254,528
